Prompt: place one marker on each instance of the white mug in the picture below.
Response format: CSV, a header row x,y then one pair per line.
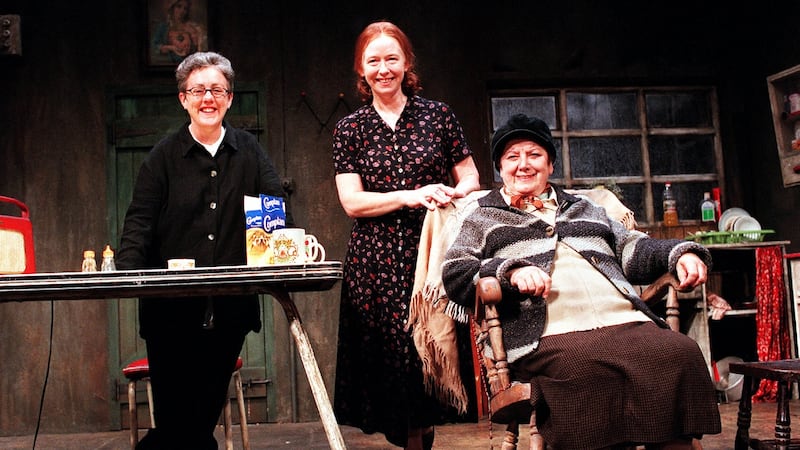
x,y
293,245
180,264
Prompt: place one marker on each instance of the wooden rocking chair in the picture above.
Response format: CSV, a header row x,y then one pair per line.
x,y
509,403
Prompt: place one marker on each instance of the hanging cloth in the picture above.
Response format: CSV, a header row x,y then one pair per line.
x,y
772,333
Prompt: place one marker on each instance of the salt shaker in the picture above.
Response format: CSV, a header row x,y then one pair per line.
x,y
89,263
108,264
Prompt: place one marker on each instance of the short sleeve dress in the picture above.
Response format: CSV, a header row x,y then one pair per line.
x,y
379,385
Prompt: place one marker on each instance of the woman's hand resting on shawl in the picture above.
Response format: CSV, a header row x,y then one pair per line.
x,y
433,196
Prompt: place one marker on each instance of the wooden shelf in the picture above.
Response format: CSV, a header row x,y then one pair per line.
x,y
740,312
746,245
780,86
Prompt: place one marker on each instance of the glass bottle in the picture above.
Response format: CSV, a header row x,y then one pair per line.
x,y
89,263
108,264
708,208
670,206
717,197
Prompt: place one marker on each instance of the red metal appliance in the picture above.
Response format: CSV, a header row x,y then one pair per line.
x,y
16,241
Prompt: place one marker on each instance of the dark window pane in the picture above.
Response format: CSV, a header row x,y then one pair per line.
x,y
558,168
678,109
694,198
681,155
543,107
601,111
632,196
605,157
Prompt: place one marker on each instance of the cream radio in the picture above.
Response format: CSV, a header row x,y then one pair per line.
x,y
16,241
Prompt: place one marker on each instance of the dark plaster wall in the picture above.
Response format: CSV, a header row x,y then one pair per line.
x,y
53,137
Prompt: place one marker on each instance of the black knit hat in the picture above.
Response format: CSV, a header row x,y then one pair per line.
x,y
522,126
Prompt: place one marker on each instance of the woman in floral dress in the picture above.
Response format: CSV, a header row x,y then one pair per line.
x,y
394,159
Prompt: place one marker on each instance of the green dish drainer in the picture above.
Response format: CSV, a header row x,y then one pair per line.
x,y
728,237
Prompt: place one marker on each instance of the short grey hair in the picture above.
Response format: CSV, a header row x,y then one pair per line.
x,y
200,60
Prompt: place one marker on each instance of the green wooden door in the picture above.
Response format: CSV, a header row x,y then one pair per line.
x,y
137,119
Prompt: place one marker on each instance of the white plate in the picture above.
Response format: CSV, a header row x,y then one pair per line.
x,y
728,215
746,223
730,225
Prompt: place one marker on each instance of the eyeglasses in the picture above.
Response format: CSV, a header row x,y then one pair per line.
x,y
198,92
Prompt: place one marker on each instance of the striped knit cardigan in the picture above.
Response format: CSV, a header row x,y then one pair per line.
x,y
495,238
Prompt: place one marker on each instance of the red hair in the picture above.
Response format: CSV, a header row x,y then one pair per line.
x,y
411,84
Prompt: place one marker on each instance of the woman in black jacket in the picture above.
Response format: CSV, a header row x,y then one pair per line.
x,y
188,202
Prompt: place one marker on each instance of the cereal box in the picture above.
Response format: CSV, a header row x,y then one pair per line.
x,y
263,214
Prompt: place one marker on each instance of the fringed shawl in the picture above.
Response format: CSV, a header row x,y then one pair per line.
x,y
431,314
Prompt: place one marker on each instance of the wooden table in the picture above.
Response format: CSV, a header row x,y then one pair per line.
x,y
277,280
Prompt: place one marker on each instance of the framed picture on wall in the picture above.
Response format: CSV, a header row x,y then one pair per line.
x,y
175,29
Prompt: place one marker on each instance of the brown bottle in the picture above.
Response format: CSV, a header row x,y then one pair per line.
x,y
670,207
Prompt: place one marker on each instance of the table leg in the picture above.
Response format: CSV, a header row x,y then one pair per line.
x,y
742,441
335,439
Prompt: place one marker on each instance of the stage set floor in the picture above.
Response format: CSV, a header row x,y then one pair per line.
x,y
311,435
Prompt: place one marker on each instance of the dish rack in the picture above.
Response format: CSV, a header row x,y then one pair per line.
x,y
728,237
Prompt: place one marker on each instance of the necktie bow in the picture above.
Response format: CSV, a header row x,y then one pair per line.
x,y
522,201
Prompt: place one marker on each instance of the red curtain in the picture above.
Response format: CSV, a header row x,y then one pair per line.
x,y
772,324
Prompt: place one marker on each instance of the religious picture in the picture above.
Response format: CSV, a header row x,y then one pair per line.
x,y
175,29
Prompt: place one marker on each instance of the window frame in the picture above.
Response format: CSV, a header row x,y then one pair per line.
x,y
560,132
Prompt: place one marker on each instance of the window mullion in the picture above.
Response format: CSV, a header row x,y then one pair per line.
x,y
565,134
649,202
717,141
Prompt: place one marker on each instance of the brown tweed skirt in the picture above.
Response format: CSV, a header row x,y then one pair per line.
x,y
633,383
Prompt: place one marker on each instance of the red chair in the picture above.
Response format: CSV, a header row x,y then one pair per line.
x,y
139,370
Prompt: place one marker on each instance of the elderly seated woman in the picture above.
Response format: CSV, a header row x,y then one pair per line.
x,y
605,371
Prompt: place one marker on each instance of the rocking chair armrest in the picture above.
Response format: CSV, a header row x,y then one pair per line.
x,y
487,292
656,290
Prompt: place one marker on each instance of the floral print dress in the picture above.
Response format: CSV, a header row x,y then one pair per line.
x,y
379,385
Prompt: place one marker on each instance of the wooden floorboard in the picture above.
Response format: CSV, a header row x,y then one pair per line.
x,y
312,436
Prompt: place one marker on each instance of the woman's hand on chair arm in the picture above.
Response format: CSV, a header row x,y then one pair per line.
x,y
530,280
691,270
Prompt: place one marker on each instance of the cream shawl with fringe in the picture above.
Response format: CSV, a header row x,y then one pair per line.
x,y
431,313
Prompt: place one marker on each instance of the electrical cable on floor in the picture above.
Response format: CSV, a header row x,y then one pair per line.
x,y
46,376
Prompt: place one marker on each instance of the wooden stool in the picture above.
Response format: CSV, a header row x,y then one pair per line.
x,y
786,372
139,370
